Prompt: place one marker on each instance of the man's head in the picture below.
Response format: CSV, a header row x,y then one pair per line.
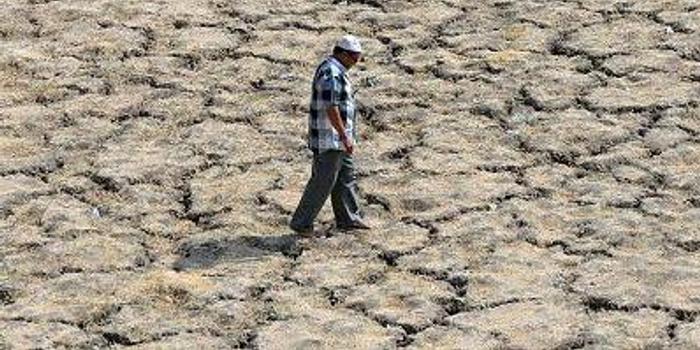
x,y
348,50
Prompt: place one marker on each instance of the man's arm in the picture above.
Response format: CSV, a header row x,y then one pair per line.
x,y
337,123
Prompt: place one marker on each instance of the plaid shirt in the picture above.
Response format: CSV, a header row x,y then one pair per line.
x,y
331,87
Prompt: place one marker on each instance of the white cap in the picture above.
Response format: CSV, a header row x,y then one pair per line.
x,y
349,43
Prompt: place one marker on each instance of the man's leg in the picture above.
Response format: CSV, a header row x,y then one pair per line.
x,y
345,196
324,173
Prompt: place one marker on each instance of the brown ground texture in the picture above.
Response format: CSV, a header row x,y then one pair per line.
x,y
531,169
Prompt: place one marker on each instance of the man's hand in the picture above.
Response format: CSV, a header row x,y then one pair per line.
x,y
339,126
349,147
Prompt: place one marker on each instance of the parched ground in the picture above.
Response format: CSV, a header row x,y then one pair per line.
x,y
531,168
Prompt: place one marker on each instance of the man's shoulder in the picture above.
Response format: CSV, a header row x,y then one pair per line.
x,y
327,69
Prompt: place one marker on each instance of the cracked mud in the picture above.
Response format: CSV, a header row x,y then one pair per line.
x,y
532,171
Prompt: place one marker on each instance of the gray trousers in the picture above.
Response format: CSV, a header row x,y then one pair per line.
x,y
332,173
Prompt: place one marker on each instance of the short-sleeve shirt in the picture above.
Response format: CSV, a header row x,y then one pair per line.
x,y
331,87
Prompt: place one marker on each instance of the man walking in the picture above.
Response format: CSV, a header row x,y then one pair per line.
x,y
332,137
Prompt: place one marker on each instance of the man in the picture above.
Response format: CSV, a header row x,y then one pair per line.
x,y
332,138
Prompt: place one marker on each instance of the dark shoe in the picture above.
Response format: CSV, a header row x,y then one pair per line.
x,y
308,230
357,225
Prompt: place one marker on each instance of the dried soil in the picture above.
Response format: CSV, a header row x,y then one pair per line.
x,y
531,169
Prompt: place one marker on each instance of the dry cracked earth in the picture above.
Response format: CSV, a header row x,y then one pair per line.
x,y
531,168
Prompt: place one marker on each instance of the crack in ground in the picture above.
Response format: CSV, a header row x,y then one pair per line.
x,y
691,246
114,338
40,170
671,330
407,329
496,304
249,341
376,199
425,224
458,281
598,304
6,295
566,247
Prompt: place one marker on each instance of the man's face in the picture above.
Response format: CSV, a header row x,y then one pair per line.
x,y
352,58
